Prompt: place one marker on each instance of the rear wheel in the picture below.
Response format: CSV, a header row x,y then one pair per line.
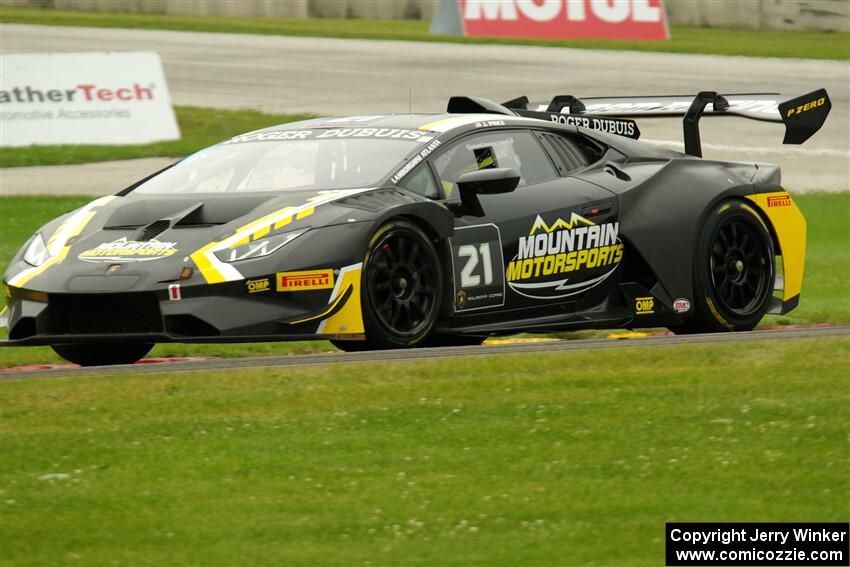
x,y
102,355
734,271
402,285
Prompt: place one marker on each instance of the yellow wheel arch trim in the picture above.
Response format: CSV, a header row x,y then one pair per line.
x,y
57,244
349,319
789,225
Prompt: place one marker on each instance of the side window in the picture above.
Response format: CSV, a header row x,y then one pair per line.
x,y
516,149
421,182
569,154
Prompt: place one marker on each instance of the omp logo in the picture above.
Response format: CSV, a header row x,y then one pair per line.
x,y
257,286
806,107
644,305
613,12
780,201
303,281
80,93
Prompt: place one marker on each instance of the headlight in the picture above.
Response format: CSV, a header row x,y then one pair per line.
x,y
257,248
37,253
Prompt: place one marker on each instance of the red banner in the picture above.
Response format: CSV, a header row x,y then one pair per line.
x,y
564,19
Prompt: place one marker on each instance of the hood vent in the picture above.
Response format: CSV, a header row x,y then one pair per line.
x,y
182,218
154,229
138,212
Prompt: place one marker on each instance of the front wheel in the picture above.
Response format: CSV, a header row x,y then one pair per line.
x,y
734,271
102,355
402,287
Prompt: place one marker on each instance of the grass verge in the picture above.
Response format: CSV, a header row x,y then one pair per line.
x,y
809,45
825,299
527,459
199,128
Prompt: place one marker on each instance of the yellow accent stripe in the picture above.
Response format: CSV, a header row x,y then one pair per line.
x,y
446,124
59,230
215,271
210,273
305,213
70,228
324,313
349,319
438,123
202,261
260,222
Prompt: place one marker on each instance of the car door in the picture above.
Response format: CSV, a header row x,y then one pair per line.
x,y
553,240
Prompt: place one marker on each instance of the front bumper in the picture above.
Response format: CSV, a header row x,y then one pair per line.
x,y
201,314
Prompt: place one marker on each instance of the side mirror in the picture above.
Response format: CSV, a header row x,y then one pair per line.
x,y
489,181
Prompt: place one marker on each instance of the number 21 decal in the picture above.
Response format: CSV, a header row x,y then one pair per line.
x,y
467,276
479,279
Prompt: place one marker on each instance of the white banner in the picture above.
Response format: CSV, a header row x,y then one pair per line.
x,y
84,98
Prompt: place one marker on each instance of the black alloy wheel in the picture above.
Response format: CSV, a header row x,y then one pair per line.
x,y
402,286
741,267
734,270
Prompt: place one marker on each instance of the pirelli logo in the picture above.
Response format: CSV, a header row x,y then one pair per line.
x,y
305,281
779,201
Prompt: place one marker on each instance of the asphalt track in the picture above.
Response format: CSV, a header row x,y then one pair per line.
x,y
343,76
290,361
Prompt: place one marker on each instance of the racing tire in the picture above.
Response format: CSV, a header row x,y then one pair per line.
x,y
734,271
401,288
103,355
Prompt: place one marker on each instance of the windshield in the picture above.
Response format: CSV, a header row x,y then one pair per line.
x,y
289,165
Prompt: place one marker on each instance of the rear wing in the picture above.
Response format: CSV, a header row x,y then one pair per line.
x,y
802,116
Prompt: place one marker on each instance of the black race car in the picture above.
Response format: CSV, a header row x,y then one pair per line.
x,y
406,230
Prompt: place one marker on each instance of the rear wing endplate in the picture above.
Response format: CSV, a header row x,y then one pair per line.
x,y
803,116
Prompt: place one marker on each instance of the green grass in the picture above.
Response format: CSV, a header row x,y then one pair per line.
x,y
552,459
811,45
199,128
825,299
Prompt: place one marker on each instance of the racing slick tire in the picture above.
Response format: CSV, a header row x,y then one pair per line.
x,y
102,355
734,271
401,288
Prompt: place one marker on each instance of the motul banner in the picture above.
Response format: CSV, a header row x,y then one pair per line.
x,y
552,19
